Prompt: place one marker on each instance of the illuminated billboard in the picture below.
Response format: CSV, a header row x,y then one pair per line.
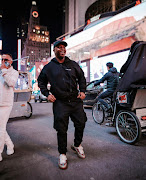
x,y
118,32
39,66
98,65
137,12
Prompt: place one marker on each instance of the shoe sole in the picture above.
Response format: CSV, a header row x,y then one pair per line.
x,y
9,154
72,147
63,168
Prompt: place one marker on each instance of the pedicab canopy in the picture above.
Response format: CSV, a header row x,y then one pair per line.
x,y
134,70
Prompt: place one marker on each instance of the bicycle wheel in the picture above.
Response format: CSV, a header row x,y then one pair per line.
x,y
128,127
98,113
28,113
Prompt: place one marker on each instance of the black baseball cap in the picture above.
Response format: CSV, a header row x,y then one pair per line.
x,y
56,43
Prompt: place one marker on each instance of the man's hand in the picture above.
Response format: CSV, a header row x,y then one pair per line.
x,y
51,98
81,95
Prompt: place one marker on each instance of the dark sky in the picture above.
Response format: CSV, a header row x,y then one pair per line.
x,y
50,12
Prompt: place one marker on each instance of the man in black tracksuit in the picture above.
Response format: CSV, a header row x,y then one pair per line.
x,y
112,78
65,76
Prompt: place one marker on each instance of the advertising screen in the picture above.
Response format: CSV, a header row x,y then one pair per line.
x,y
129,16
98,65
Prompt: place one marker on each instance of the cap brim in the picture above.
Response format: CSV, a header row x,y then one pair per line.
x,y
61,42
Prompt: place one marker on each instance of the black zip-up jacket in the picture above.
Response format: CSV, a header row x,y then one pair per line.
x,y
112,77
64,79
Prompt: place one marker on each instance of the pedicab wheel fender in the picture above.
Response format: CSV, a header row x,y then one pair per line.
x,y
30,113
137,123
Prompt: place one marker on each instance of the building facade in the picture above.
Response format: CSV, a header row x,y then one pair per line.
x,y
75,13
37,43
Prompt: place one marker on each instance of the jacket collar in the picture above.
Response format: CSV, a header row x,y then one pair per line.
x,y
7,70
66,60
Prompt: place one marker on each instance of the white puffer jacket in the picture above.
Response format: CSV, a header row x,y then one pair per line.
x,y
8,79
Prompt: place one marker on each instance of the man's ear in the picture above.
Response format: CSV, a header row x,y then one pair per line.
x,y
11,62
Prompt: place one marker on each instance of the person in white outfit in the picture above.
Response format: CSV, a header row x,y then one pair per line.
x,y
8,79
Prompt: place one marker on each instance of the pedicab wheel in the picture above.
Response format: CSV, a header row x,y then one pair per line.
x,y
128,127
28,113
98,113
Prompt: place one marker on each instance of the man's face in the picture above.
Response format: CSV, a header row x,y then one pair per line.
x,y
60,51
6,57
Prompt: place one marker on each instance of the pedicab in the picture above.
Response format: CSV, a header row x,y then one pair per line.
x,y
131,95
22,96
128,106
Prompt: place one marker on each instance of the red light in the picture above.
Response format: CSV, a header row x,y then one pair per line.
x,y
88,21
137,2
143,118
22,105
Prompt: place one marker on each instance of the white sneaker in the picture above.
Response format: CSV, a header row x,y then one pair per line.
x,y
10,151
62,161
1,157
79,150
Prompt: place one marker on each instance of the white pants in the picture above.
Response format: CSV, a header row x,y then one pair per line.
x,y
4,137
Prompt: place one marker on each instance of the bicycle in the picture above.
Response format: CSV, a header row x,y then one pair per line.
x,y
125,121
99,113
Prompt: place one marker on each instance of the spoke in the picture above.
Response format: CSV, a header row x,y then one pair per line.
x,y
131,135
133,131
122,120
127,134
125,117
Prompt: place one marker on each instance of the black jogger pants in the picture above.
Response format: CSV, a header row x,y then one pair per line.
x,y
62,111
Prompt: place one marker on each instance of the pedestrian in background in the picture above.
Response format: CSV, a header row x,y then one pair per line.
x,y
65,76
8,79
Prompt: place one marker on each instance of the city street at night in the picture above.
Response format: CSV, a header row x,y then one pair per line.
x,y
36,154
64,53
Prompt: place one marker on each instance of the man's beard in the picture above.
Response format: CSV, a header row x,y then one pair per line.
x,y
59,57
